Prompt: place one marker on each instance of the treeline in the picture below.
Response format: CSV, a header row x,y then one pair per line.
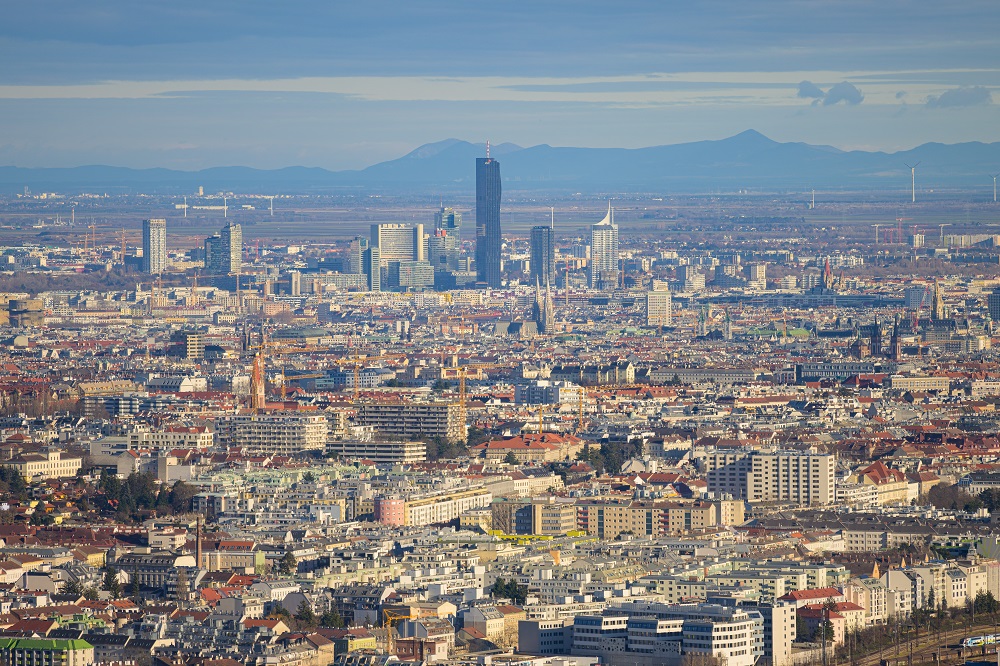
x,y
139,493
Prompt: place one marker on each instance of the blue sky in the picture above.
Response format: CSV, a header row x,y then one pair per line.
x,y
345,84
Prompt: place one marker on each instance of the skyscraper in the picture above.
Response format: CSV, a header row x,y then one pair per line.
x,y
448,219
399,242
224,250
604,252
154,246
488,238
543,254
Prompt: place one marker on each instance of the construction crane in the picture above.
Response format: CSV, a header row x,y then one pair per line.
x,y
941,237
389,617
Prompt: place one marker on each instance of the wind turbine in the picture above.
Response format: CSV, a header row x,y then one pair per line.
x,y
994,176
913,181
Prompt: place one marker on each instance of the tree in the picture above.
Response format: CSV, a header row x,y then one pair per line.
x,y
308,477
90,593
476,436
305,615
287,565
331,619
180,497
509,589
72,587
511,459
111,584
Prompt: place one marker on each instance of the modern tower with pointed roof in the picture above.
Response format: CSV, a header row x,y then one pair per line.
x,y
488,237
604,252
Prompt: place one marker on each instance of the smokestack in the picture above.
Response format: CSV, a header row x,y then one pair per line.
x,y
197,548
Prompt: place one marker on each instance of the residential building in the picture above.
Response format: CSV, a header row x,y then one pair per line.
x,y
273,433
414,420
762,476
603,266
154,246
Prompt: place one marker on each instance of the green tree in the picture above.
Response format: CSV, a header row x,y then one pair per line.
x,y
111,584
72,587
509,589
287,565
476,436
91,593
181,496
308,477
305,615
331,619
511,459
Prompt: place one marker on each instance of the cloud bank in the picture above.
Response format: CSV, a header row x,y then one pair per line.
x,y
958,97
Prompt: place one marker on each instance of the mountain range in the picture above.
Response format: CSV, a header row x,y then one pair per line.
x,y
746,160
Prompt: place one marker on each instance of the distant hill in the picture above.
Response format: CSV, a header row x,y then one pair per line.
x,y
749,160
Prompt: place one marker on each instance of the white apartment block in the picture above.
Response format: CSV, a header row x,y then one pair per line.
x,y
172,438
760,476
273,433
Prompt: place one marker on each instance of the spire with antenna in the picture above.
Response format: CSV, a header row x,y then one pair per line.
x,y
487,149
552,212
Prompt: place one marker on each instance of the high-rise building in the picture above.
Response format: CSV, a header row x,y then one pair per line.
x,y
604,252
356,255
993,301
449,220
488,237
442,250
543,254
399,242
224,250
658,308
154,246
373,268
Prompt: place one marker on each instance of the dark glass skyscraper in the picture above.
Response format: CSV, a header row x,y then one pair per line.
x,y
543,255
488,239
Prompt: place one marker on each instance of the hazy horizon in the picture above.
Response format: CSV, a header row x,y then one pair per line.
x,y
342,86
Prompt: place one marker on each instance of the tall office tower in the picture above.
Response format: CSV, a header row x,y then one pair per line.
x,y
488,238
356,255
373,268
399,242
604,252
295,283
224,250
449,220
658,308
442,251
543,254
154,246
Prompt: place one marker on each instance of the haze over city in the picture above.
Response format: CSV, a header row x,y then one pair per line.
x,y
188,85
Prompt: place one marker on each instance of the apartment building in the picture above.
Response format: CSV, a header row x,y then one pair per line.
x,y
273,433
414,420
379,452
768,476
609,519
193,437
45,652
430,509
655,633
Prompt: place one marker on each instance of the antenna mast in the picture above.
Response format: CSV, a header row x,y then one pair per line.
x,y
487,149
